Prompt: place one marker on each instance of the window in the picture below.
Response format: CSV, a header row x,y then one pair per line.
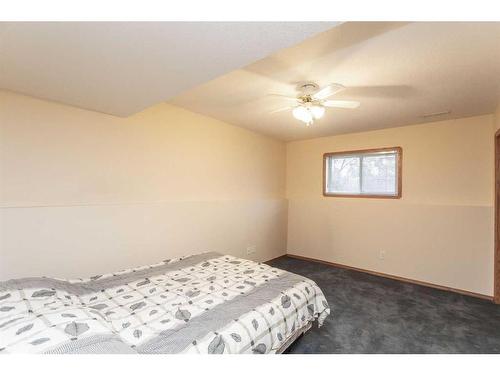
x,y
367,173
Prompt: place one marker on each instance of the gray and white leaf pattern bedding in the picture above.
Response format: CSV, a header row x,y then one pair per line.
x,y
205,303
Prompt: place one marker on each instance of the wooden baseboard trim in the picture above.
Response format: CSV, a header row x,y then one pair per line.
x,y
275,258
403,279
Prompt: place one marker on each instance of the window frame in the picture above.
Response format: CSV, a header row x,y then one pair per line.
x,y
399,168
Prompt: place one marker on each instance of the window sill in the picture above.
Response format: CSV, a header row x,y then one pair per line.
x,y
377,196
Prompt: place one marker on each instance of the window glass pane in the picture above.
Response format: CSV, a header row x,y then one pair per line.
x,y
344,175
379,174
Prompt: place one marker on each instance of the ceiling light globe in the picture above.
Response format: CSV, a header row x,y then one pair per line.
x,y
317,111
303,114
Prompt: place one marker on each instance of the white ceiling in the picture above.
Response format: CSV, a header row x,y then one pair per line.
x,y
398,71
123,67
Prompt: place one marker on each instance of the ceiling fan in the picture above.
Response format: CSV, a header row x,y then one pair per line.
x,y
312,101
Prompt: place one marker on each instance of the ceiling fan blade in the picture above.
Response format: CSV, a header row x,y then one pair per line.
x,y
350,104
387,91
284,96
328,91
281,110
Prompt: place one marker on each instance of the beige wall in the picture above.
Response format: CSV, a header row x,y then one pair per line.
x,y
83,192
441,231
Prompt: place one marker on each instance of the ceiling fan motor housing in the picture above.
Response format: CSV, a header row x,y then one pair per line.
x,y
307,88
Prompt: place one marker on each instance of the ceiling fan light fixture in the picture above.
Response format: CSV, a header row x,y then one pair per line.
x,y
317,111
303,114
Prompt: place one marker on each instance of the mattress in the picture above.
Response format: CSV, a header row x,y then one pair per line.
x,y
205,303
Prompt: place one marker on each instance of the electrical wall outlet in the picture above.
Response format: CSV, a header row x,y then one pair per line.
x,y
251,249
381,255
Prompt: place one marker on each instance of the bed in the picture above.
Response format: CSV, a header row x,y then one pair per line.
x,y
204,303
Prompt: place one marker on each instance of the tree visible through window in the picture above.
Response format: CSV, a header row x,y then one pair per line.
x,y
371,173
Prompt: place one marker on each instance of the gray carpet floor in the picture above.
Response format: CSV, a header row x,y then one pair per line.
x,y
372,314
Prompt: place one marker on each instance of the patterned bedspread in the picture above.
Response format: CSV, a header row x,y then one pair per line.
x,y
205,303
